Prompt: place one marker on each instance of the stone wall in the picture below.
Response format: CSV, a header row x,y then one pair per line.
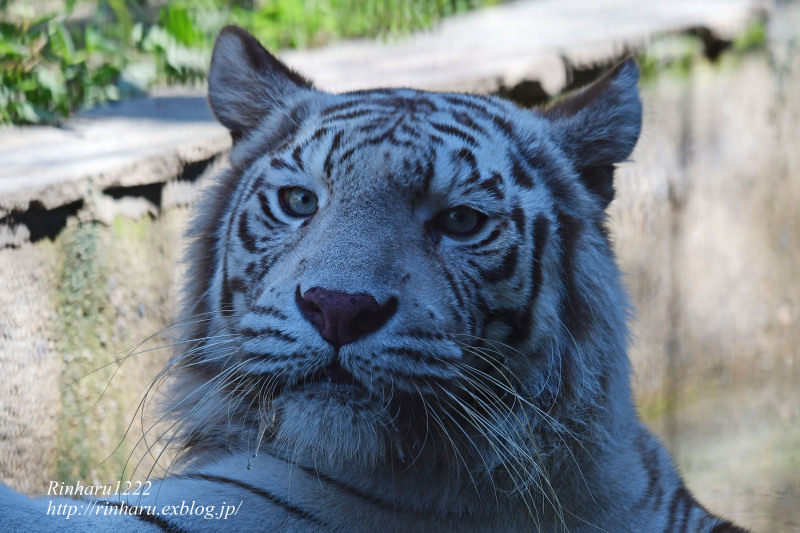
x,y
82,304
707,227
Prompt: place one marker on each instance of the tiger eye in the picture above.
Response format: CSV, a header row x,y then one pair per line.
x,y
298,202
460,221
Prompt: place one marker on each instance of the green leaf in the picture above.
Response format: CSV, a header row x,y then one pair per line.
x,y
61,42
53,81
26,112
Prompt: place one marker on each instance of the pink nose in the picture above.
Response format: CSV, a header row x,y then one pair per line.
x,y
341,318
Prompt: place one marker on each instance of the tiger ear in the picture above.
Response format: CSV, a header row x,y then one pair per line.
x,y
245,82
598,126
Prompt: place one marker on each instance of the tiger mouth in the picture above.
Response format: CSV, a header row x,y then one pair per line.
x,y
332,374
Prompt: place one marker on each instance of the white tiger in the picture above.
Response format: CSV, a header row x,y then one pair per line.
x,y
407,317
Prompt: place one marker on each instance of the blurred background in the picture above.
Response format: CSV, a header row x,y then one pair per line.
x,y
59,56
107,139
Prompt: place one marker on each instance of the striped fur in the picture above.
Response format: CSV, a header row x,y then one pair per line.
x,y
495,397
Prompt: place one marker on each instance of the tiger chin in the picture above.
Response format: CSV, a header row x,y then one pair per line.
x,y
403,313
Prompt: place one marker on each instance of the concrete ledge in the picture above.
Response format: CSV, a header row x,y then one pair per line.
x,y
503,45
149,141
130,143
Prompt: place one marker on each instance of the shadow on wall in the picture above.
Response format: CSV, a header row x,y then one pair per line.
x,y
181,109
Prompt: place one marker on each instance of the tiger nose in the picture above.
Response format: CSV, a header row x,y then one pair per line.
x,y
340,317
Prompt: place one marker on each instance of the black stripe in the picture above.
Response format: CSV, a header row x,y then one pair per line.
x,y
370,127
520,320
279,163
239,285
422,334
689,505
728,527
347,104
428,172
329,158
679,497
466,155
388,135
410,131
455,132
255,185
296,511
266,263
246,237
284,132
489,238
416,356
319,134
649,455
386,91
268,311
347,154
465,285
413,105
297,155
489,251
268,332
518,216
264,203
551,176
506,267
350,115
471,102
493,185
454,286
250,269
561,192
154,519
577,316
272,358
520,175
226,298
465,120
541,231
503,125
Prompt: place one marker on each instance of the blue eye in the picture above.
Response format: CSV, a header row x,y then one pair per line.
x,y
460,221
297,201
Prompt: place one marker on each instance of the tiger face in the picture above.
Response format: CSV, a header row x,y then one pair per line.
x,y
403,273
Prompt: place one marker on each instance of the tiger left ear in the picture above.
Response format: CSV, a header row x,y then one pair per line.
x,y
246,83
598,126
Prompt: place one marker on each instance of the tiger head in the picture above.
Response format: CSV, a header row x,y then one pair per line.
x,y
398,275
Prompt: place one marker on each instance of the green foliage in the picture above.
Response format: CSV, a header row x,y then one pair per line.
x,y
46,70
55,64
754,37
304,23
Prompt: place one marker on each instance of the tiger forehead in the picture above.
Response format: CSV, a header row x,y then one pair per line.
x,y
401,136
403,101
484,115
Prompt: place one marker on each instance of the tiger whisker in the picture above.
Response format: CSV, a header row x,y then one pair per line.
x,y
214,387
537,463
144,394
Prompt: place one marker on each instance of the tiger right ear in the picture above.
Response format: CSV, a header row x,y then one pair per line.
x,y
245,82
598,126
